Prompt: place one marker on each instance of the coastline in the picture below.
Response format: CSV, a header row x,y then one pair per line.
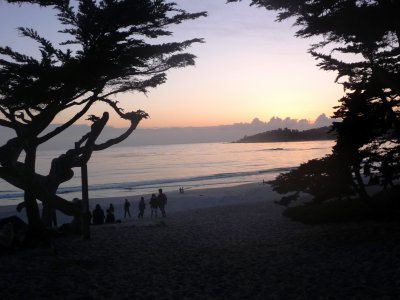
x,y
233,244
126,171
177,202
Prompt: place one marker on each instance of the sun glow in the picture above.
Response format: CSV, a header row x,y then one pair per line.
x,y
249,66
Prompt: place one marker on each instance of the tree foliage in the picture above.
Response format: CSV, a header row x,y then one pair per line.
x,y
359,40
110,47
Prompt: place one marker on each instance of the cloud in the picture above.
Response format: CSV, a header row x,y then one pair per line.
x,y
277,122
178,135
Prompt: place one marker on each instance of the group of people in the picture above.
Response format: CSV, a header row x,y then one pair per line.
x,y
156,202
99,217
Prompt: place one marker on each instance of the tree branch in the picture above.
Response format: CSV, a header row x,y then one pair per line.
x,y
64,126
134,118
4,112
6,124
16,179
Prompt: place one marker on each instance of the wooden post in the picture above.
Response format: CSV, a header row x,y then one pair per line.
x,y
85,203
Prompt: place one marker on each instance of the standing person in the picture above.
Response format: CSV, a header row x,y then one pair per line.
x,y
153,205
162,201
142,207
111,208
98,215
127,205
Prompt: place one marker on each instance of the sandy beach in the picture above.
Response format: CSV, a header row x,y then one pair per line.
x,y
227,243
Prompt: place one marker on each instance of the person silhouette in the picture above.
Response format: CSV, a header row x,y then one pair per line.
x,y
111,208
162,202
127,205
153,205
98,215
110,218
142,207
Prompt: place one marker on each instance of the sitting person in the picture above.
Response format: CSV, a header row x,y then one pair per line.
x,y
13,233
110,218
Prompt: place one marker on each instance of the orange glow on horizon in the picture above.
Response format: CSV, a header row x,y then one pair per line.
x,y
249,67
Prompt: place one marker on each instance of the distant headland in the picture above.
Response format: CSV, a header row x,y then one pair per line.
x,y
181,135
290,135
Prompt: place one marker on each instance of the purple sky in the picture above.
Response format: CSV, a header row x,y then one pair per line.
x,y
250,66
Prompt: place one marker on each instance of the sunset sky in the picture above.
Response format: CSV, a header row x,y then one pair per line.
x,y
249,66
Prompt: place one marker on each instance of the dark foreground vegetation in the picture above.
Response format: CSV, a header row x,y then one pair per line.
x,y
384,206
107,47
359,41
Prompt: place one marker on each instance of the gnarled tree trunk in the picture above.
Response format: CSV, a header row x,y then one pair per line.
x,y
32,208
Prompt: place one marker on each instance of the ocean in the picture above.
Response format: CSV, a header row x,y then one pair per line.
x,y
131,171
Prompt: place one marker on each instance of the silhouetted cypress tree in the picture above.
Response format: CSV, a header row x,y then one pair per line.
x,y
113,50
360,41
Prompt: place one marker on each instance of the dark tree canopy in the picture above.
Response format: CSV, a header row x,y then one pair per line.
x,y
359,40
110,47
